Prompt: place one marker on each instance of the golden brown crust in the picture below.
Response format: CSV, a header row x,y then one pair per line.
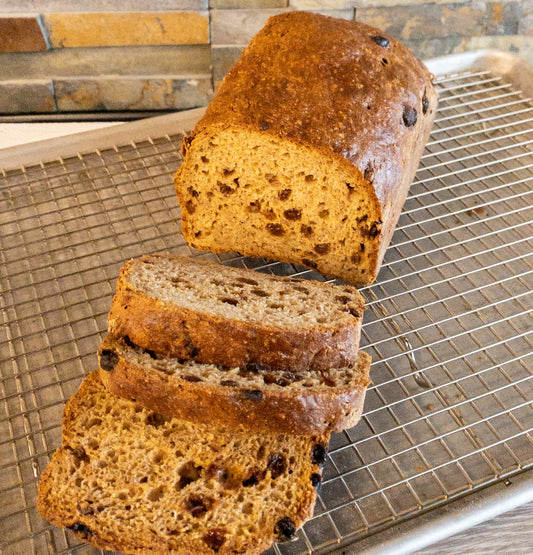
x,y
341,88
287,410
179,332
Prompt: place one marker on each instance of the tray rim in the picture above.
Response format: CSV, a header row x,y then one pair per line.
x,y
452,517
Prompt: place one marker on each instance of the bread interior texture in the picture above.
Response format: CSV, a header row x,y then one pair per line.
x,y
253,193
128,479
288,303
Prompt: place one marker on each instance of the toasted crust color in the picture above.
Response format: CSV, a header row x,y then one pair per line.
x,y
329,85
136,502
297,410
170,328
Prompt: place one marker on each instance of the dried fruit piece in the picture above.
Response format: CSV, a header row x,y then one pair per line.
x,y
191,378
316,479
276,464
232,302
108,359
282,379
259,293
252,394
293,214
306,230
318,454
285,529
322,248
381,41
82,530
255,476
409,116
275,229
425,104
215,538
255,366
249,281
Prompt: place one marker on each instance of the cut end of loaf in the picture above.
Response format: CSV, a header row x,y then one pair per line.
x,y
260,195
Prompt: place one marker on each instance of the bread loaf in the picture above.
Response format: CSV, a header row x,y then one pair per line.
x,y
306,402
215,314
127,479
307,152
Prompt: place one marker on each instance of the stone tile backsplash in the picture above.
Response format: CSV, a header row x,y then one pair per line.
x,y
62,56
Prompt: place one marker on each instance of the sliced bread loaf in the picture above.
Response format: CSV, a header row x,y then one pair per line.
x,y
310,163
304,402
216,314
127,479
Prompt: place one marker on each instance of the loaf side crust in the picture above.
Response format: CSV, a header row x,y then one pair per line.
x,y
280,409
179,332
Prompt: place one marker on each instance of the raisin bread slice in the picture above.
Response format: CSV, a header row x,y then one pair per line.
x,y
210,313
306,402
127,479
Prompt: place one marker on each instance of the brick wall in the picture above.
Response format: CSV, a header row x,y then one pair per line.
x,y
106,55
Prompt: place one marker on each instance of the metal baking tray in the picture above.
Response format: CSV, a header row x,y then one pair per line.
x,y
446,440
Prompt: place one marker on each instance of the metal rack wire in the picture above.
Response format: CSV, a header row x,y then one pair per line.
x,y
449,322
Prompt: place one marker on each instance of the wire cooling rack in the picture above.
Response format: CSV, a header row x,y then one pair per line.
x,y
448,324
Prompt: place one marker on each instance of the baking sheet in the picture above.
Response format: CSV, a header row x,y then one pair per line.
x,y
449,418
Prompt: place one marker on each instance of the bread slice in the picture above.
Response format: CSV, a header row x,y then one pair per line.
x,y
127,479
306,402
307,152
233,317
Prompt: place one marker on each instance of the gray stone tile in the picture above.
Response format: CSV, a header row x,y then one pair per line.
x,y
136,60
427,21
237,27
522,45
223,58
24,97
131,93
247,4
314,5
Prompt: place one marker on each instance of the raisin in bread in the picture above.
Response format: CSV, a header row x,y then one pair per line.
x,y
306,402
233,317
311,162
127,479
